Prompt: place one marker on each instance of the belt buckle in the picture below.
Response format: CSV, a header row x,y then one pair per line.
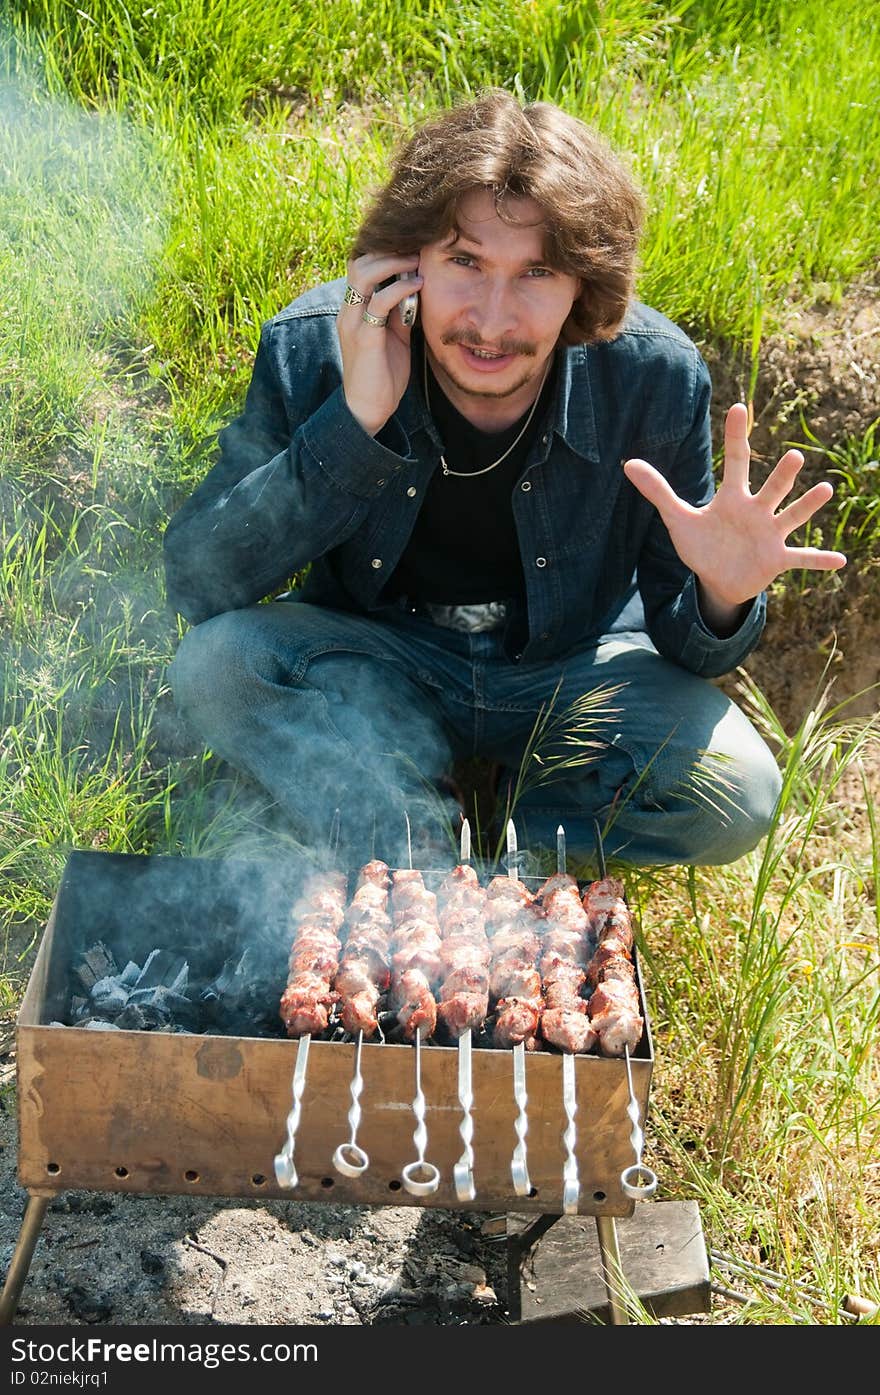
x,y
469,619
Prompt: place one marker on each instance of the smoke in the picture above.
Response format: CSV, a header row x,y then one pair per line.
x,y
83,213
83,218
86,205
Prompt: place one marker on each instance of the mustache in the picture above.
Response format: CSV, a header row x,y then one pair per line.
x,y
471,340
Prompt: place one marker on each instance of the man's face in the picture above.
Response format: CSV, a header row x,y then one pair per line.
x,y
491,308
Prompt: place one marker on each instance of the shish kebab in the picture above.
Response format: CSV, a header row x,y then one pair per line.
x,y
534,952
533,1003
318,915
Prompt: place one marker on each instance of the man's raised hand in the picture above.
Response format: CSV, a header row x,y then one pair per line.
x,y
376,357
736,544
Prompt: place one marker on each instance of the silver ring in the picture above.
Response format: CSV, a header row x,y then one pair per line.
x,y
638,1182
350,1160
379,320
426,1184
353,296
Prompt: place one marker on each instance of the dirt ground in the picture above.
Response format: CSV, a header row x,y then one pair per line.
x,y
128,1260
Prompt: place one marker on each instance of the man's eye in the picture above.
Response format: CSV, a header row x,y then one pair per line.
x,y
461,260
540,271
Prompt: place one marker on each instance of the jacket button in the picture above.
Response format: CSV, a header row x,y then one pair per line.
x,y
376,563
539,562
525,486
544,440
412,492
380,483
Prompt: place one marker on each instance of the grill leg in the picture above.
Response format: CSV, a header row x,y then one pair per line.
x,y
611,1269
22,1256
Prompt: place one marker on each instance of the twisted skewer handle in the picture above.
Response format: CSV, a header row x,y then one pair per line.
x,y
518,1166
420,1178
349,1159
285,1171
463,1172
571,1186
637,1181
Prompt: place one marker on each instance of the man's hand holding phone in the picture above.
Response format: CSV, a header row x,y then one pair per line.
x,y
374,326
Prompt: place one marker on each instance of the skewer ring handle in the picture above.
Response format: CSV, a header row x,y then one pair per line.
x,y
421,1178
285,1172
350,1160
519,1173
638,1182
464,1182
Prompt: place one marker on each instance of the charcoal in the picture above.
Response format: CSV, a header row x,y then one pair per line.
x,y
233,980
109,996
132,1019
96,963
96,1024
164,970
161,1005
130,974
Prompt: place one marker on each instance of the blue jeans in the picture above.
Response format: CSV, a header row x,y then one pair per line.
x,y
327,710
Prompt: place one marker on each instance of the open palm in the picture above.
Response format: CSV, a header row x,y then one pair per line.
x,y
736,544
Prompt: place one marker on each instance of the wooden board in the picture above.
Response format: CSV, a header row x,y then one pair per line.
x,y
662,1254
154,1112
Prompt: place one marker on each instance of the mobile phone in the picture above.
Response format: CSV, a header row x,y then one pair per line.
x,y
409,306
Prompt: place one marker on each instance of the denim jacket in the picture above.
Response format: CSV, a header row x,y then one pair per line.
x,y
298,481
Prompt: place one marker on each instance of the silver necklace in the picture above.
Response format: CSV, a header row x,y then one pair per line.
x,y
471,474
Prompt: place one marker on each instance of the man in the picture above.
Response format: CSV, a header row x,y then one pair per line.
x,y
508,518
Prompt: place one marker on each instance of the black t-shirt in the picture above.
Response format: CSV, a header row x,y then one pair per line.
x,y
463,549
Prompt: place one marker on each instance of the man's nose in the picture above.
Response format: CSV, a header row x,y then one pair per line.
x,y
492,312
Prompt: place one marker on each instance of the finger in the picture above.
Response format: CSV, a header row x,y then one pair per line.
x,y
803,508
657,490
736,447
383,301
814,559
369,271
780,481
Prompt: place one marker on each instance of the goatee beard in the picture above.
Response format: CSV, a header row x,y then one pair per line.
x,y
472,342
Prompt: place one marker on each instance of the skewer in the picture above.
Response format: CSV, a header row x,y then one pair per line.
x,y
429,1180
637,1181
349,1159
571,1186
463,1171
420,1178
519,1169
285,1171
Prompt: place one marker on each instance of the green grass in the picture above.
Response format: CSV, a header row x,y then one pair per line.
x,y
169,178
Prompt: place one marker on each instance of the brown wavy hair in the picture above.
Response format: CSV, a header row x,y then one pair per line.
x,y
593,212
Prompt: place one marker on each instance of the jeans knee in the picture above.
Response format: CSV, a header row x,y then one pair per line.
x,y
209,662
746,811
764,786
